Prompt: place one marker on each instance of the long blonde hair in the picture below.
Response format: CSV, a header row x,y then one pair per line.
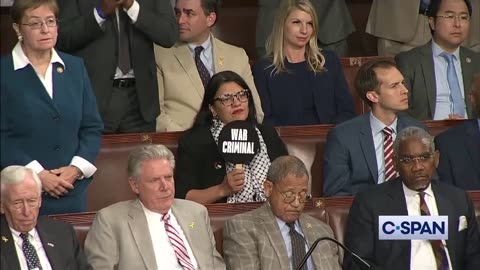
x,y
275,42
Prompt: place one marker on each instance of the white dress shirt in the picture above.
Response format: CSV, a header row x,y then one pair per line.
x,y
163,250
421,252
20,61
378,137
206,55
34,239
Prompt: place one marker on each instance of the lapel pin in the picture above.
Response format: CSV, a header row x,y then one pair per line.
x,y
4,239
220,60
192,225
468,60
60,69
50,244
217,165
309,226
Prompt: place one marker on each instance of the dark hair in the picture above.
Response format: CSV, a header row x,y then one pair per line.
x,y
204,116
210,6
435,6
17,11
366,79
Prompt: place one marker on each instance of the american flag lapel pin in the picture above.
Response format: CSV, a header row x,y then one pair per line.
x,y
50,244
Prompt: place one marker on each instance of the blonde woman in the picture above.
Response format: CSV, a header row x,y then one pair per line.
x,y
298,83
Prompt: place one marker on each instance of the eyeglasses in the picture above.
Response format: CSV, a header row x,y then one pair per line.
x,y
289,196
38,24
411,160
463,18
18,204
228,99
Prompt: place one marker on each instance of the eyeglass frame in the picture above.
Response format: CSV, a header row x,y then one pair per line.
x,y
451,17
42,23
223,98
307,196
407,160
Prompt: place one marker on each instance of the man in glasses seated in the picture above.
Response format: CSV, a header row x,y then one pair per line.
x,y
277,235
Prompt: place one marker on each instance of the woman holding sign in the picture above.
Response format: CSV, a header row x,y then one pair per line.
x,y
201,173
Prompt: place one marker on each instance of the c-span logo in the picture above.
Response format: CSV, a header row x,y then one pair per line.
x,y
412,227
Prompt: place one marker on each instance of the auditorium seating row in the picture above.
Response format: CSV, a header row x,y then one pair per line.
x,y
333,211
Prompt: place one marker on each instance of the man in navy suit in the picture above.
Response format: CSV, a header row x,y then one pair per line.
x,y
410,194
354,156
460,149
29,242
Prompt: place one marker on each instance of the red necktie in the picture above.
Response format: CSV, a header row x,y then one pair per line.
x,y
390,172
437,245
177,244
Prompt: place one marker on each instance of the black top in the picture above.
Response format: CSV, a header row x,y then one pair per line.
x,y
199,164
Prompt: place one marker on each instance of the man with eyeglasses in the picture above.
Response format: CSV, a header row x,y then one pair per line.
x,y
438,73
184,70
459,148
414,193
29,241
278,234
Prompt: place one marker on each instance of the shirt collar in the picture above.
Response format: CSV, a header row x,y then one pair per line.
x,y
378,126
207,45
411,193
149,212
20,60
436,50
32,232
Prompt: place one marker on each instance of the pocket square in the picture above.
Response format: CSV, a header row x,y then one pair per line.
x,y
462,223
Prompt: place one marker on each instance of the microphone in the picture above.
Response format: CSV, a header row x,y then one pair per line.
x,y
353,254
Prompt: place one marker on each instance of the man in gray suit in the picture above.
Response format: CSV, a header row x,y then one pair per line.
x,y
277,235
334,24
154,231
357,152
436,87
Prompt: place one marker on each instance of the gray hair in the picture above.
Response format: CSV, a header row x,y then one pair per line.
x,y
14,175
414,132
282,166
147,152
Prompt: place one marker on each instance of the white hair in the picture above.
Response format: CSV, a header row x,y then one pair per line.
x,y
14,175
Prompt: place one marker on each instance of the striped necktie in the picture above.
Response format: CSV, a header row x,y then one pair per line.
x,y
177,244
437,245
390,172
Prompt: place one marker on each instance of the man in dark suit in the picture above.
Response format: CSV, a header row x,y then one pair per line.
x,y
437,88
29,242
354,157
115,38
460,149
414,194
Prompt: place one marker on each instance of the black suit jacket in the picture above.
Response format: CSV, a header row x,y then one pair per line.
x,y
199,164
388,199
459,149
58,240
80,34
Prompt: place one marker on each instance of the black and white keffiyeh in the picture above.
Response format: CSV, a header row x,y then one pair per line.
x,y
255,171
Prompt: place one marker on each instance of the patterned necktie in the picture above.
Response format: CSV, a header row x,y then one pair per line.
x,y
298,247
390,172
30,254
202,70
437,245
454,85
123,42
177,244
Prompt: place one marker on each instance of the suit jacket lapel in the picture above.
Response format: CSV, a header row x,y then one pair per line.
x,y
185,221
428,70
186,60
48,242
8,251
310,237
218,56
138,226
467,74
368,148
274,235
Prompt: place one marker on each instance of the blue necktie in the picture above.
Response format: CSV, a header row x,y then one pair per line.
x,y
454,85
